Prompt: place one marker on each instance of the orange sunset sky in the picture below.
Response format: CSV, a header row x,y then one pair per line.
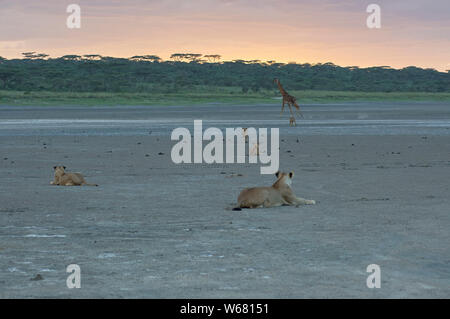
x,y
413,32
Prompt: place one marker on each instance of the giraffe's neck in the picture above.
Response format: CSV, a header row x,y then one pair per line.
x,y
282,91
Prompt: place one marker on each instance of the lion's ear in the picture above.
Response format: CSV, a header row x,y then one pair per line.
x,y
54,167
291,174
64,167
277,174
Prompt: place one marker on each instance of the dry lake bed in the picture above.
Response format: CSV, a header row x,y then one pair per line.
x,y
380,173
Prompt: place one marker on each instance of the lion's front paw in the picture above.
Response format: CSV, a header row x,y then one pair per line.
x,y
311,202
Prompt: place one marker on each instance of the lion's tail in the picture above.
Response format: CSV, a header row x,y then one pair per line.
x,y
233,207
87,184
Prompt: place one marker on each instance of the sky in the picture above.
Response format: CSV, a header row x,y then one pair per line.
x,y
413,32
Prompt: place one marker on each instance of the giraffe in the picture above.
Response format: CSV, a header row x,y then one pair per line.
x,y
289,99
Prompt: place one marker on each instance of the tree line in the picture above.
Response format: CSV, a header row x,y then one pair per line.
x,y
150,73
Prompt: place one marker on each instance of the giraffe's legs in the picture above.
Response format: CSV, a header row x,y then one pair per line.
x,y
297,107
292,119
282,108
290,109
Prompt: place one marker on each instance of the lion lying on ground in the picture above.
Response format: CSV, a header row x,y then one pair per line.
x,y
68,179
280,193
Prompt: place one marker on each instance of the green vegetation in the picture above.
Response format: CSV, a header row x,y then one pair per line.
x,y
207,95
192,78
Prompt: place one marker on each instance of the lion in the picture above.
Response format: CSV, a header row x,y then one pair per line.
x,y
68,179
280,193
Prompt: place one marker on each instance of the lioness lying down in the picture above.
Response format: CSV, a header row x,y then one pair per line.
x,y
68,179
280,193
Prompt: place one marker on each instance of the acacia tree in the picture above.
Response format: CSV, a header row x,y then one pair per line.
x,y
34,55
151,58
187,57
71,57
42,56
92,57
213,57
193,57
28,55
177,57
